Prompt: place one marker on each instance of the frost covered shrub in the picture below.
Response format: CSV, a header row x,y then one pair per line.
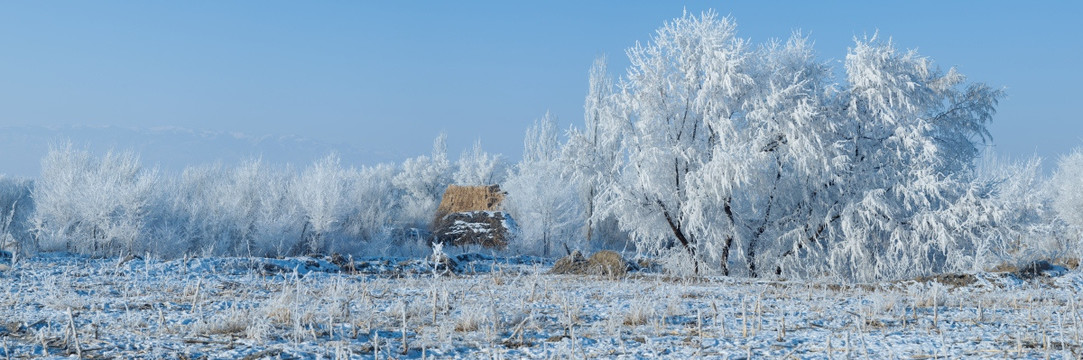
x,y
319,191
346,209
248,210
372,203
16,207
422,182
477,167
1067,188
91,205
261,210
110,205
1019,220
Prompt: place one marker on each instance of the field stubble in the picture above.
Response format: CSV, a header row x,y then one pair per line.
x,y
58,306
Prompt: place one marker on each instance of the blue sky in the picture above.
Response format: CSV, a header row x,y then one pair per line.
x,y
387,77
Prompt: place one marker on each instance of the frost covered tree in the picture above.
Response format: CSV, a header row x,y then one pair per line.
x,y
593,152
1067,189
262,218
911,135
237,203
683,90
477,167
371,202
247,210
319,191
1007,212
16,206
539,198
195,216
1068,183
767,159
91,205
422,181
727,147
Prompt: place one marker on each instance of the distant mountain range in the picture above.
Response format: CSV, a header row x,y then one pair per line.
x,y
172,148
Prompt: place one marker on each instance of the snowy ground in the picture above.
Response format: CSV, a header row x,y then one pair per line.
x,y
511,308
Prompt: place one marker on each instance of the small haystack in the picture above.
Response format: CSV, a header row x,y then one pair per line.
x,y
602,263
472,215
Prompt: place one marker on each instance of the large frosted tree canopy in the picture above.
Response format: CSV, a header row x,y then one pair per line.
x,y
751,158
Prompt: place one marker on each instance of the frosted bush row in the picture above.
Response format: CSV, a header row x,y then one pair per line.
x,y
111,205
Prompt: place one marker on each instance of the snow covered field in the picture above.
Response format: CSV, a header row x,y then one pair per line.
x,y
511,308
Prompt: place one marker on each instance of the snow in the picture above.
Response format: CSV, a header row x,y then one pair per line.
x,y
495,307
463,227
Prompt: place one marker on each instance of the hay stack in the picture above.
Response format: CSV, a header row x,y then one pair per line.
x,y
602,263
470,198
574,263
470,215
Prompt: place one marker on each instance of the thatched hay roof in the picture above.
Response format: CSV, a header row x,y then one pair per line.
x,y
470,198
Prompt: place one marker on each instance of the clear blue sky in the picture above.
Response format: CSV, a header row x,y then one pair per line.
x,y
390,75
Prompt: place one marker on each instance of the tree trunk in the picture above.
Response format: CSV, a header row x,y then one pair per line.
x,y
687,242
590,215
750,252
726,256
545,243
750,257
729,240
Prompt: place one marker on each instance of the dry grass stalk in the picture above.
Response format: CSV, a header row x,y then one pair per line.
x,y
44,345
434,305
699,325
195,298
782,329
936,311
744,319
405,347
74,335
759,315
638,314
